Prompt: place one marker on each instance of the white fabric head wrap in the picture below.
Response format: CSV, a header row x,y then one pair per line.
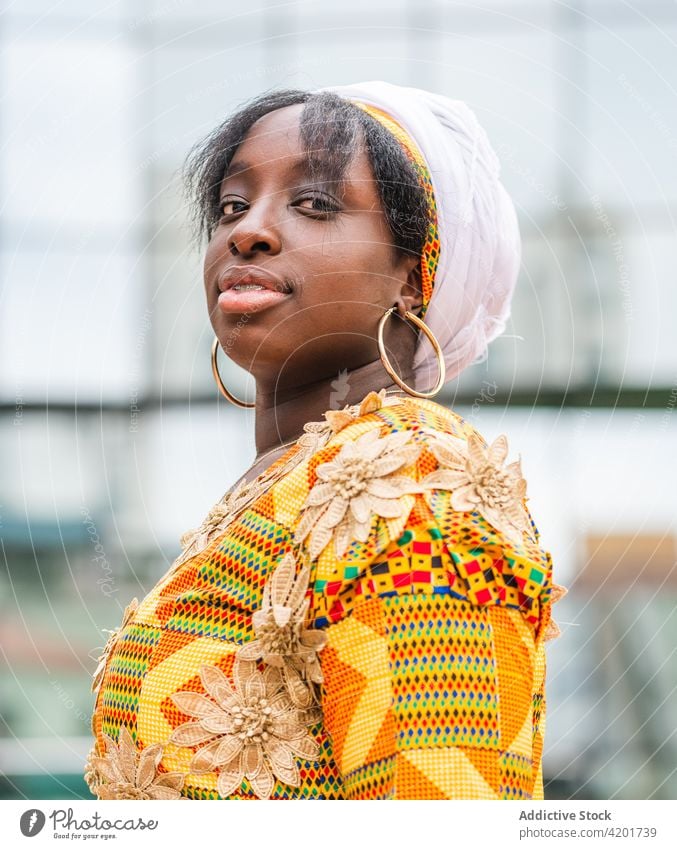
x,y
480,249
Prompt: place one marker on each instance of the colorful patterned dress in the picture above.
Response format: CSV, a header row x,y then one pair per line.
x,y
371,627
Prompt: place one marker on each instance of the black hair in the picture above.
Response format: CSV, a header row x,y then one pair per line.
x,y
331,131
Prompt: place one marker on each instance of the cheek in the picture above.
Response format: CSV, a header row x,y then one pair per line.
x,y
213,254
351,273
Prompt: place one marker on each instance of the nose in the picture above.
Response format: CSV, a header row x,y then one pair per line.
x,y
257,230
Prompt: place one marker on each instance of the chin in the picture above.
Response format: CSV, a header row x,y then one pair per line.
x,y
252,354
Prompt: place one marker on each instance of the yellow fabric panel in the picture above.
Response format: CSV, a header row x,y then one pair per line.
x,y
441,677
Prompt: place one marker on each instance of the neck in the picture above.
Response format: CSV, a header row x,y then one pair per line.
x,y
281,414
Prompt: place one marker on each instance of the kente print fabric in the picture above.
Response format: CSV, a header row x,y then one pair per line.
x,y
372,626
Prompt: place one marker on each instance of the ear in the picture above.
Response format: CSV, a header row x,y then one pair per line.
x,y
411,293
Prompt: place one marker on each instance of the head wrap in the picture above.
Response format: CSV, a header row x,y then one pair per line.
x,y
471,257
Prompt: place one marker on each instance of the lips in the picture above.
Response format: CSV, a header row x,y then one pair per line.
x,y
233,300
251,275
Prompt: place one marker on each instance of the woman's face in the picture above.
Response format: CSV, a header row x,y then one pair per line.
x,y
330,252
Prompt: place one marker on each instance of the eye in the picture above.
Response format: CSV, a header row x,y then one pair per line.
x,y
225,203
321,204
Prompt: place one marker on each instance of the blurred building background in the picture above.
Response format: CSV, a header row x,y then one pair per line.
x,y
113,437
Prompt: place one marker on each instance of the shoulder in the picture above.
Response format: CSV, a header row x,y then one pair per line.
x,y
420,416
458,469
409,476
428,424
379,455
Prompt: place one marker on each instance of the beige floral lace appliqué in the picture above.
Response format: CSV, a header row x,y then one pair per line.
x,y
220,516
316,435
358,483
97,678
478,481
282,640
250,728
338,419
124,772
552,630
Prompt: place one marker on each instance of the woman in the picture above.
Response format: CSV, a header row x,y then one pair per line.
x,y
363,615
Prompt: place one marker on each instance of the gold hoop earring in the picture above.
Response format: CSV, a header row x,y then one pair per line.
x,y
433,341
219,382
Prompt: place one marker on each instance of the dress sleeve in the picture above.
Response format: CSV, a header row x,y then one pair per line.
x,y
433,668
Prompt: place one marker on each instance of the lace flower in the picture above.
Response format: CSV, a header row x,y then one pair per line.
x,y
281,639
250,727
557,593
552,630
220,515
338,419
356,484
315,436
97,678
479,482
91,774
126,773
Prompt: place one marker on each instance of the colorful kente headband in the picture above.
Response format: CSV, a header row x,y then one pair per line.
x,y
430,254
